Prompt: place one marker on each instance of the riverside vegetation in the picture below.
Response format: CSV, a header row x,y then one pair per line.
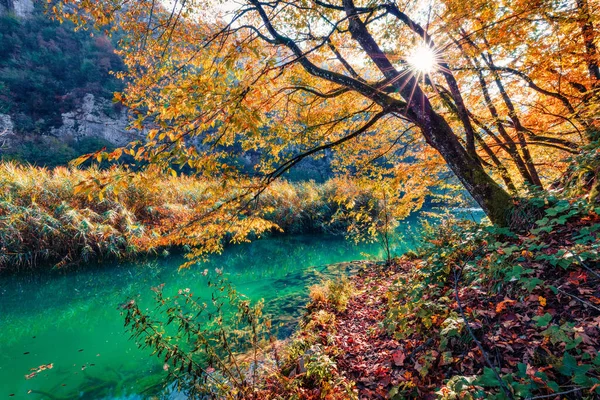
x,y
475,311
49,218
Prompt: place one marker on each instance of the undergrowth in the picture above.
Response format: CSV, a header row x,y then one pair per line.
x,y
226,348
496,314
308,369
331,293
475,312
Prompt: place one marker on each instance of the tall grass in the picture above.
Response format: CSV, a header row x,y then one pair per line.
x,y
45,219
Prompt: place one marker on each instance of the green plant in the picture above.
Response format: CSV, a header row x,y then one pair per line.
x,y
544,279
203,343
319,366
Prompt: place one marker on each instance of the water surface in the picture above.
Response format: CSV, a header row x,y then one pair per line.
x,y
73,321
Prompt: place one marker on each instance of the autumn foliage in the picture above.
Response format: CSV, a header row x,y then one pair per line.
x,y
403,99
475,312
500,94
55,217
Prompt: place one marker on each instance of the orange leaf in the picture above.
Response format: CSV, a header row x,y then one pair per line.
x,y
503,304
542,301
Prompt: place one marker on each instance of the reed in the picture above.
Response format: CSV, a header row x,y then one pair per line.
x,y
47,220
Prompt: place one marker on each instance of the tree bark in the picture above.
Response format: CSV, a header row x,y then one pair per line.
x,y
447,98
587,31
494,200
512,114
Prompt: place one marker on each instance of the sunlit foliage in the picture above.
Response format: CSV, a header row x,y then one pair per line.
x,y
55,216
399,91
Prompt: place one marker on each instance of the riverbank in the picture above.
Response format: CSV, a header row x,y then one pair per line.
x,y
59,217
474,312
477,312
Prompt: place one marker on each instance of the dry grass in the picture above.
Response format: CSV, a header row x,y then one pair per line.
x,y
319,294
332,293
47,219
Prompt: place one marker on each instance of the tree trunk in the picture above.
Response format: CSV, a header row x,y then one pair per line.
x,y
497,163
494,200
508,144
519,128
587,31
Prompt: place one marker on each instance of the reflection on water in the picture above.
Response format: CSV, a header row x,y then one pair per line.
x,y
72,321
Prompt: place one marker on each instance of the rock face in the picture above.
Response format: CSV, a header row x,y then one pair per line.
x,y
91,120
6,129
21,8
6,125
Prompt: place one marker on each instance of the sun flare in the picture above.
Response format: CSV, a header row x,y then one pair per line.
x,y
422,59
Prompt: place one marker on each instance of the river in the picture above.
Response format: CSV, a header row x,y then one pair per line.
x,y
72,320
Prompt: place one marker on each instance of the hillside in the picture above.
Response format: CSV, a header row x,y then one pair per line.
x,y
56,87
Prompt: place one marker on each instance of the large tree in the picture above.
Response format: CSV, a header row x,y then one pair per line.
x,y
496,90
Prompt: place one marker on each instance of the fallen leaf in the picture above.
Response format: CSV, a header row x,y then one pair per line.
x,y
503,304
398,358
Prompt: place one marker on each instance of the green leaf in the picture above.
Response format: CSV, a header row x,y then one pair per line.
x,y
543,320
568,365
488,378
543,221
522,367
531,283
553,385
574,343
582,379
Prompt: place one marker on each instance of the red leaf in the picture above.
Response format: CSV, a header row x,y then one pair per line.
x,y
399,357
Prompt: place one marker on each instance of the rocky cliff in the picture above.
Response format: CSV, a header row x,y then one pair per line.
x,y
90,120
21,8
56,94
56,88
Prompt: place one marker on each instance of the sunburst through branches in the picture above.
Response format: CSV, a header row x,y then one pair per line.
x,y
423,59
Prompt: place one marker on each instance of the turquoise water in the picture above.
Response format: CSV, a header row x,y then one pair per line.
x,y
73,321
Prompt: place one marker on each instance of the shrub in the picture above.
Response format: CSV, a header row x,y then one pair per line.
x,y
521,303
332,293
65,215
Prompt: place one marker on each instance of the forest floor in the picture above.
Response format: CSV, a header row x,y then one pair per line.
x,y
369,353
475,313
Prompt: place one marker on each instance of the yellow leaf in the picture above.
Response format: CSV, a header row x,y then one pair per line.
x,y
80,160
